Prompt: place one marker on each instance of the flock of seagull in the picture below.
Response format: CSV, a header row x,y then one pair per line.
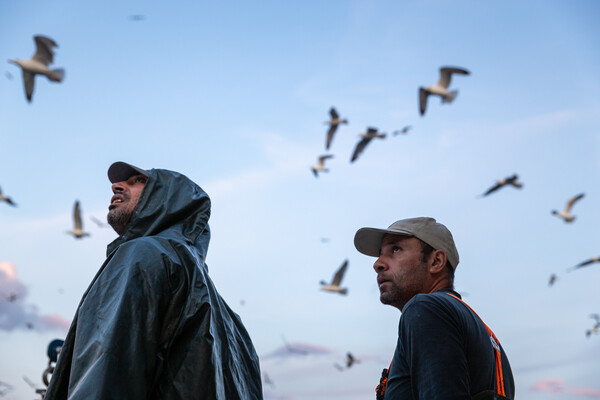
x,y
439,89
39,63
447,96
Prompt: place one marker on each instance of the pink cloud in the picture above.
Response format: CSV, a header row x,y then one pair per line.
x,y
15,313
557,385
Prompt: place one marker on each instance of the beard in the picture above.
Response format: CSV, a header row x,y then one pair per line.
x,y
118,218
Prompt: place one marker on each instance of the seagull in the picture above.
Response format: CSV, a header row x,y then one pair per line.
x,y
8,75
334,286
292,349
98,222
12,297
511,180
77,230
137,17
566,213
440,88
596,326
350,360
38,64
552,279
268,380
338,367
585,263
333,123
6,199
321,165
366,138
403,130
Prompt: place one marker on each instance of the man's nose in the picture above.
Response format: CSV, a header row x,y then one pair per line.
x,y
379,265
117,187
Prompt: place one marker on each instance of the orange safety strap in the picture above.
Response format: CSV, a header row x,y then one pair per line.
x,y
380,389
496,345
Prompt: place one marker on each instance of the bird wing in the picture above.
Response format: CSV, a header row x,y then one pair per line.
x,y
423,93
77,216
323,158
586,262
333,113
44,52
360,146
28,80
573,201
337,278
330,134
446,74
493,189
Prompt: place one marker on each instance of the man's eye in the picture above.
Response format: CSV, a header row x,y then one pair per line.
x,y
395,249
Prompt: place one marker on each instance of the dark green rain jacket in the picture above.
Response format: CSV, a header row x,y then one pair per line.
x,y
152,325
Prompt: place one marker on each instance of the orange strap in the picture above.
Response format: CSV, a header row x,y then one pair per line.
x,y
496,345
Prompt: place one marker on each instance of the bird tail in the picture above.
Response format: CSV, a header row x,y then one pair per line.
x,y
57,75
450,97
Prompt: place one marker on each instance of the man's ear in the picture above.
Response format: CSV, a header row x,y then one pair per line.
x,y
437,261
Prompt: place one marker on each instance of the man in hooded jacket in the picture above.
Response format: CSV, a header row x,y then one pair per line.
x,y
152,325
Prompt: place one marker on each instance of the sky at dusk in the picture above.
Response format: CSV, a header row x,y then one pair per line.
x,y
235,96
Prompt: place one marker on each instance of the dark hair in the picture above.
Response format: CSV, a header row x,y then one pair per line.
x,y
426,251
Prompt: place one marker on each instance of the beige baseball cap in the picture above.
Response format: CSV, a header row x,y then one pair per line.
x,y
368,240
121,171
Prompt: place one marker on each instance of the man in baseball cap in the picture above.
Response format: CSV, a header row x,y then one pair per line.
x,y
444,349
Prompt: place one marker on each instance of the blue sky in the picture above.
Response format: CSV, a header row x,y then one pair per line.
x,y
235,95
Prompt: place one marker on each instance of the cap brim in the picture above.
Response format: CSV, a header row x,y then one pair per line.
x,y
368,240
121,171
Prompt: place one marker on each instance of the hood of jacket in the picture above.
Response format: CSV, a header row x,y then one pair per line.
x,y
170,205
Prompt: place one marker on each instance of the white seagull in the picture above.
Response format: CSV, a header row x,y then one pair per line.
x,y
367,136
440,88
321,165
511,180
334,286
38,64
333,123
77,230
566,213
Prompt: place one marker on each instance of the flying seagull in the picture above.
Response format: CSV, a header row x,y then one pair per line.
x,y
321,165
137,17
350,360
403,130
6,199
38,64
585,263
511,180
366,138
553,278
596,325
333,123
98,222
77,230
440,88
293,349
334,286
566,213
268,380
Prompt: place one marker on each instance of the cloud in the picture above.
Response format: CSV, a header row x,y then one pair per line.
x,y
557,385
15,313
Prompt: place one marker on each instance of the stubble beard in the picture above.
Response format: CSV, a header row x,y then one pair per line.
x,y
118,218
